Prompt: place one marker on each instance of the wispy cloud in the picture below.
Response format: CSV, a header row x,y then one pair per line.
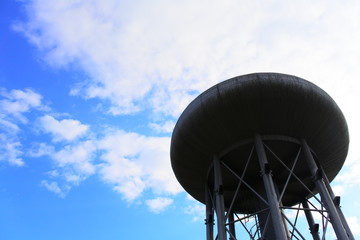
x,y
78,156
72,164
165,127
348,178
10,150
55,188
130,162
17,102
134,162
159,204
354,224
14,105
196,210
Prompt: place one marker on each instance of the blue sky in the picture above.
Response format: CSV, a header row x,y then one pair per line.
x,y
90,91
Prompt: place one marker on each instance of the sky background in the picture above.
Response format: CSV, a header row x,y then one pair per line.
x,y
90,92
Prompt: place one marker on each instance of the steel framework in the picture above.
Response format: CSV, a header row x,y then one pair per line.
x,y
272,219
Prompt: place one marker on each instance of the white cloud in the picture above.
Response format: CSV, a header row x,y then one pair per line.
x,y
66,129
133,163
16,102
10,150
354,225
166,127
72,164
159,204
338,190
53,173
55,188
130,162
14,105
41,149
78,156
124,174
8,126
348,177
196,210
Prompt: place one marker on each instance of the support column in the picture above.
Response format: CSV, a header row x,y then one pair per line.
x,y
337,205
219,200
232,227
209,221
325,196
314,228
276,217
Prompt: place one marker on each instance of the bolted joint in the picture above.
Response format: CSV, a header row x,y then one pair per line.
x,y
336,201
210,220
265,170
220,190
314,229
318,175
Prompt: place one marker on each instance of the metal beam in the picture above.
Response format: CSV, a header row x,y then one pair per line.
x,y
219,200
209,221
232,226
276,216
325,196
341,214
314,228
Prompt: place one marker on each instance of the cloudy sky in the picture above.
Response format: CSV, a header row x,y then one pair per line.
x,y
90,91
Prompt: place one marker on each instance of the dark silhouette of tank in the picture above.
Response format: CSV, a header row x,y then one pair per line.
x,y
255,145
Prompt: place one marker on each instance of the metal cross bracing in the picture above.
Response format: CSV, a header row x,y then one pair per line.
x,y
289,198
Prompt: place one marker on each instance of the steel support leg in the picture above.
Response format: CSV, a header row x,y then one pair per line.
x,y
209,221
232,226
341,214
314,228
277,219
346,225
325,196
219,200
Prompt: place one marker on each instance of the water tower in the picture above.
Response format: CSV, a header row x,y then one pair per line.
x,y
257,148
